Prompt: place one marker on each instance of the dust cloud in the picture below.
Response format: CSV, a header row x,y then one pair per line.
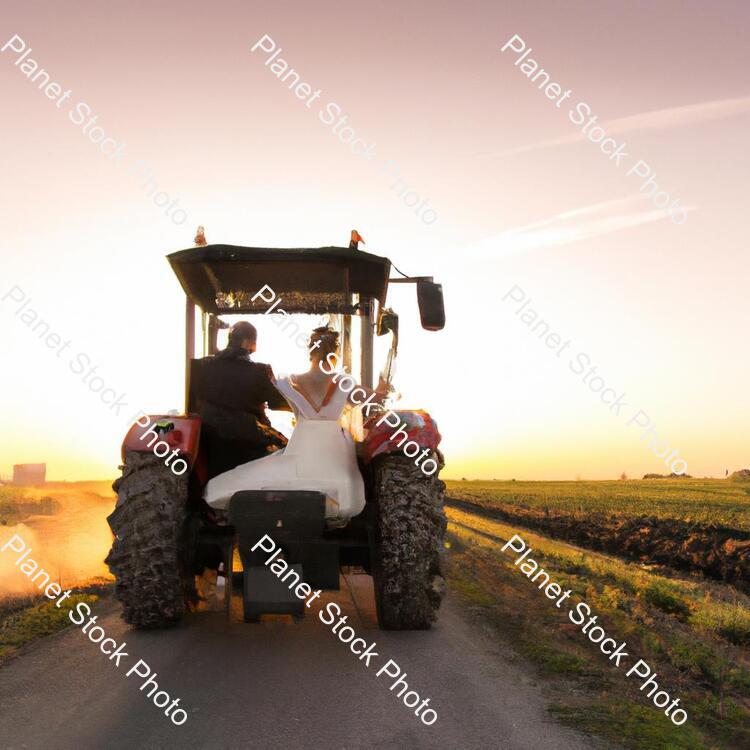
x,y
70,545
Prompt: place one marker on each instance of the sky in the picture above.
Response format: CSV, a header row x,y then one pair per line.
x,y
524,207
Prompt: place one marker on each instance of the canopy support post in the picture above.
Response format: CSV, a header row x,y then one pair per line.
x,y
366,342
189,344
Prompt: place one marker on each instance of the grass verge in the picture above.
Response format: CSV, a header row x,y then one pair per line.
x,y
25,619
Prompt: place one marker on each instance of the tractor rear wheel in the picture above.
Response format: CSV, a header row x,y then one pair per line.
x,y
149,556
406,542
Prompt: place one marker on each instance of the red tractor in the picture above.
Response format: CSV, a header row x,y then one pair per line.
x,y
165,534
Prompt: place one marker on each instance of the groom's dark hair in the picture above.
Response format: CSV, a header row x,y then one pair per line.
x,y
241,331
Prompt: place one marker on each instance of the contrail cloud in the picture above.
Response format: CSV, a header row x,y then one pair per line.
x,y
658,119
568,226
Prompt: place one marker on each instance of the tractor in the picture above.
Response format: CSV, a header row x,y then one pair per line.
x,y
164,534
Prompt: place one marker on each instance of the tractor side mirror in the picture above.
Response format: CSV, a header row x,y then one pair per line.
x,y
431,307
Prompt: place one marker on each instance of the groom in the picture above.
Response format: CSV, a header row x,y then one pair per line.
x,y
232,395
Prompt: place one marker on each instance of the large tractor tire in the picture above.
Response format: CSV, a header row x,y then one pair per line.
x,y
407,541
150,552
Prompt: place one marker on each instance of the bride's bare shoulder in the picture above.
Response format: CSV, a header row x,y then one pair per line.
x,y
307,377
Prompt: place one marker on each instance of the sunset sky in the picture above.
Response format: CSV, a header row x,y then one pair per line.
x,y
522,200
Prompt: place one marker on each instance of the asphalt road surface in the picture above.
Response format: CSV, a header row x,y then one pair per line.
x,y
277,684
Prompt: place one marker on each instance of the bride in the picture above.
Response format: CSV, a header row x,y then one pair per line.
x,y
320,455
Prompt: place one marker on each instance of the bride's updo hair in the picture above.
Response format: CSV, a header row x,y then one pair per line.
x,y
329,342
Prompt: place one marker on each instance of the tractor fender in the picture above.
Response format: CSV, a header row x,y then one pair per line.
x,y
181,433
386,434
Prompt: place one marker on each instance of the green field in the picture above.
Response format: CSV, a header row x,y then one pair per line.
x,y
701,501
664,562
695,633
16,505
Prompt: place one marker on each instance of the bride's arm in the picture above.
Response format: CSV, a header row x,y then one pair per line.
x,y
360,394
273,396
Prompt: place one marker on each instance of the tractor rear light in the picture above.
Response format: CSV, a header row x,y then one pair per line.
x,y
174,438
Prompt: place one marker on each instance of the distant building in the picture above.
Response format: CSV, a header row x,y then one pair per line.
x,y
29,475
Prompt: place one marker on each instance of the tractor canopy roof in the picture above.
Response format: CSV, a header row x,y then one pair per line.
x,y
222,279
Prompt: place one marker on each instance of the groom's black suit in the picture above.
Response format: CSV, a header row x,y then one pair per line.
x,y
232,395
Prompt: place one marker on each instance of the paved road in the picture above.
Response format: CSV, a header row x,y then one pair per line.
x,y
279,684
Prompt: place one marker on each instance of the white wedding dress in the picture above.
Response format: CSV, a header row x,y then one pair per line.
x,y
320,456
